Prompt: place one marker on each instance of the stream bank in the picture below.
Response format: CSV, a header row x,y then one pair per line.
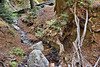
x,y
90,49
10,39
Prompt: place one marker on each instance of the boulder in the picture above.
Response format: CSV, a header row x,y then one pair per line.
x,y
37,46
37,59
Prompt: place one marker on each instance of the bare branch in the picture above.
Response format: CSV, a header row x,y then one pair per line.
x,y
85,27
61,46
2,64
78,27
79,41
76,50
97,62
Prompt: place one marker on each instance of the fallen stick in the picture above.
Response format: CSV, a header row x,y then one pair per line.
x,y
82,38
2,64
79,41
97,62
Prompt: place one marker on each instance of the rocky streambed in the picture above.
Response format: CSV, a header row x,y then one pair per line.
x,y
36,57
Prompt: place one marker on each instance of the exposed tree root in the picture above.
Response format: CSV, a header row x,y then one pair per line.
x,y
78,60
61,46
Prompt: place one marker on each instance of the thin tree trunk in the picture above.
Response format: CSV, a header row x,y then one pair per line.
x,y
60,6
1,1
32,4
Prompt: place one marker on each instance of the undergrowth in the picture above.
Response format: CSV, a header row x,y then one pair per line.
x,y
17,51
81,2
7,13
31,14
54,24
13,64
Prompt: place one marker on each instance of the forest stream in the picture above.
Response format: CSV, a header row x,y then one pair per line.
x,y
22,33
53,34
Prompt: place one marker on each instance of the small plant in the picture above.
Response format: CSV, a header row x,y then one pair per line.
x,y
3,23
65,17
81,3
31,14
6,12
11,54
56,26
39,32
70,2
13,64
17,51
11,31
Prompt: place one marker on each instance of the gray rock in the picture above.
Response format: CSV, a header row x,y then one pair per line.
x,y
37,46
37,59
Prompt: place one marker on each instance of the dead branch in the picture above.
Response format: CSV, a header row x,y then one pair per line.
x,y
76,51
2,64
76,43
97,62
82,38
79,41
61,46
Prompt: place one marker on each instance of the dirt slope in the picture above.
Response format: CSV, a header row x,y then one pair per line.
x,y
9,38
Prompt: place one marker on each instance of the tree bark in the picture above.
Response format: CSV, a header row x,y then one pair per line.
x,y
60,6
32,4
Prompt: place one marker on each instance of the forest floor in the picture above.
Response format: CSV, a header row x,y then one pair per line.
x,y
10,38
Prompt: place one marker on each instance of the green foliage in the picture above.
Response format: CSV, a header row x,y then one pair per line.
x,y
91,3
11,31
58,24
17,51
54,24
62,22
84,2
65,17
16,0
39,32
70,2
81,2
31,14
13,64
6,12
3,23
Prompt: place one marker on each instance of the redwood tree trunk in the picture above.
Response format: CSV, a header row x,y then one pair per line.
x,y
32,4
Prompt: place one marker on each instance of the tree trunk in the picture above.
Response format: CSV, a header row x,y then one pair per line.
x,y
32,4
60,6
1,1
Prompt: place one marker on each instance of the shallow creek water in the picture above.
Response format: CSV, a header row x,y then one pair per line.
x,y
22,33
